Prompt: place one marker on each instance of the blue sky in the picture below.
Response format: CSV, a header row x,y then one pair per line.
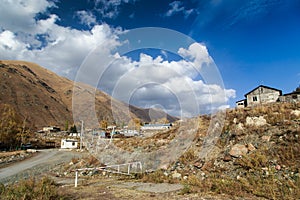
x,y
251,42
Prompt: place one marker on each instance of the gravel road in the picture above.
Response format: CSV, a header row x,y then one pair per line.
x,y
43,162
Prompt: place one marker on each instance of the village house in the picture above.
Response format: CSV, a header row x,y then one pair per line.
x,y
264,94
69,144
51,129
155,127
291,97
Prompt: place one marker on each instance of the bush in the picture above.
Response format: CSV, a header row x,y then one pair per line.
x,y
44,189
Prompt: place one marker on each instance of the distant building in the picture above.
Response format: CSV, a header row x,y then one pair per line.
x,y
260,95
264,94
291,97
241,103
69,144
51,129
156,127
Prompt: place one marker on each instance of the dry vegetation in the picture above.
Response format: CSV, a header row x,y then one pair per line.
x,y
269,169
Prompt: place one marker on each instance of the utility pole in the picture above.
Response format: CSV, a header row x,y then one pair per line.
x,y
81,134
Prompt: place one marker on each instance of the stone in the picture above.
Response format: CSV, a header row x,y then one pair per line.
x,y
240,126
238,150
250,147
235,120
176,175
277,167
256,121
295,112
266,138
227,158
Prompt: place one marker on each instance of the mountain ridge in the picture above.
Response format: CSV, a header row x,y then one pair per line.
x,y
44,98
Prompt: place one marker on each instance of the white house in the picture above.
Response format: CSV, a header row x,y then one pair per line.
x,y
51,129
241,103
155,127
69,144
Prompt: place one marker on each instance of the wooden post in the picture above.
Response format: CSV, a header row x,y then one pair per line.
x,y
76,178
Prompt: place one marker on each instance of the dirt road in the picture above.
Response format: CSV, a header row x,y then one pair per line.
x,y
41,163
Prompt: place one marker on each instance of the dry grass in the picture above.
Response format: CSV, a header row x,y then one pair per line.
x,y
44,189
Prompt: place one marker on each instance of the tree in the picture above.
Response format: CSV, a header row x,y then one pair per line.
x,y
10,127
103,124
67,125
135,124
73,129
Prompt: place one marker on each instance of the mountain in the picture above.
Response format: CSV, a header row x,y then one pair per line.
x,y
42,98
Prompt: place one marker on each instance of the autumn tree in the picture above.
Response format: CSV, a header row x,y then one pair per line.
x,y
103,124
10,127
135,123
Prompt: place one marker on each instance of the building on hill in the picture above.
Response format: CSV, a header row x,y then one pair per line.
x,y
241,103
260,95
291,97
69,144
156,127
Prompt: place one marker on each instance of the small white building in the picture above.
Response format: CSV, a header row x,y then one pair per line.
x,y
156,127
69,144
51,129
241,103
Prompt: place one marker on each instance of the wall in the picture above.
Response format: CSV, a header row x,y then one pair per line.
x,y
262,95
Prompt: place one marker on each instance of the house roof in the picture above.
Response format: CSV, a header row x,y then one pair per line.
x,y
264,87
291,93
240,100
156,125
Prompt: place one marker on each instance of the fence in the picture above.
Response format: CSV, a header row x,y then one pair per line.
x,y
117,169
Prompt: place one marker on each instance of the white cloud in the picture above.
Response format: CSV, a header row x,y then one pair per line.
x,y
86,18
110,9
174,85
58,48
171,84
197,53
177,7
18,15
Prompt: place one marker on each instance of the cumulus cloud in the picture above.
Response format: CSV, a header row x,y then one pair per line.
x,y
174,85
43,41
177,7
86,18
110,9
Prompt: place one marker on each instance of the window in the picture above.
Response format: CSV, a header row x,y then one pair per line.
x,y
255,98
73,143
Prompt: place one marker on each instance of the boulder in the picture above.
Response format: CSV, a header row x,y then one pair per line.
x,y
176,175
238,150
256,121
250,147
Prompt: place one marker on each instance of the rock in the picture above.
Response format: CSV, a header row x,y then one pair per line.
x,y
238,150
250,147
295,112
240,126
227,158
198,164
235,120
256,121
277,167
266,138
176,175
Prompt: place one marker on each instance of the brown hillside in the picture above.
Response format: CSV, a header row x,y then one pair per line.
x,y
44,98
